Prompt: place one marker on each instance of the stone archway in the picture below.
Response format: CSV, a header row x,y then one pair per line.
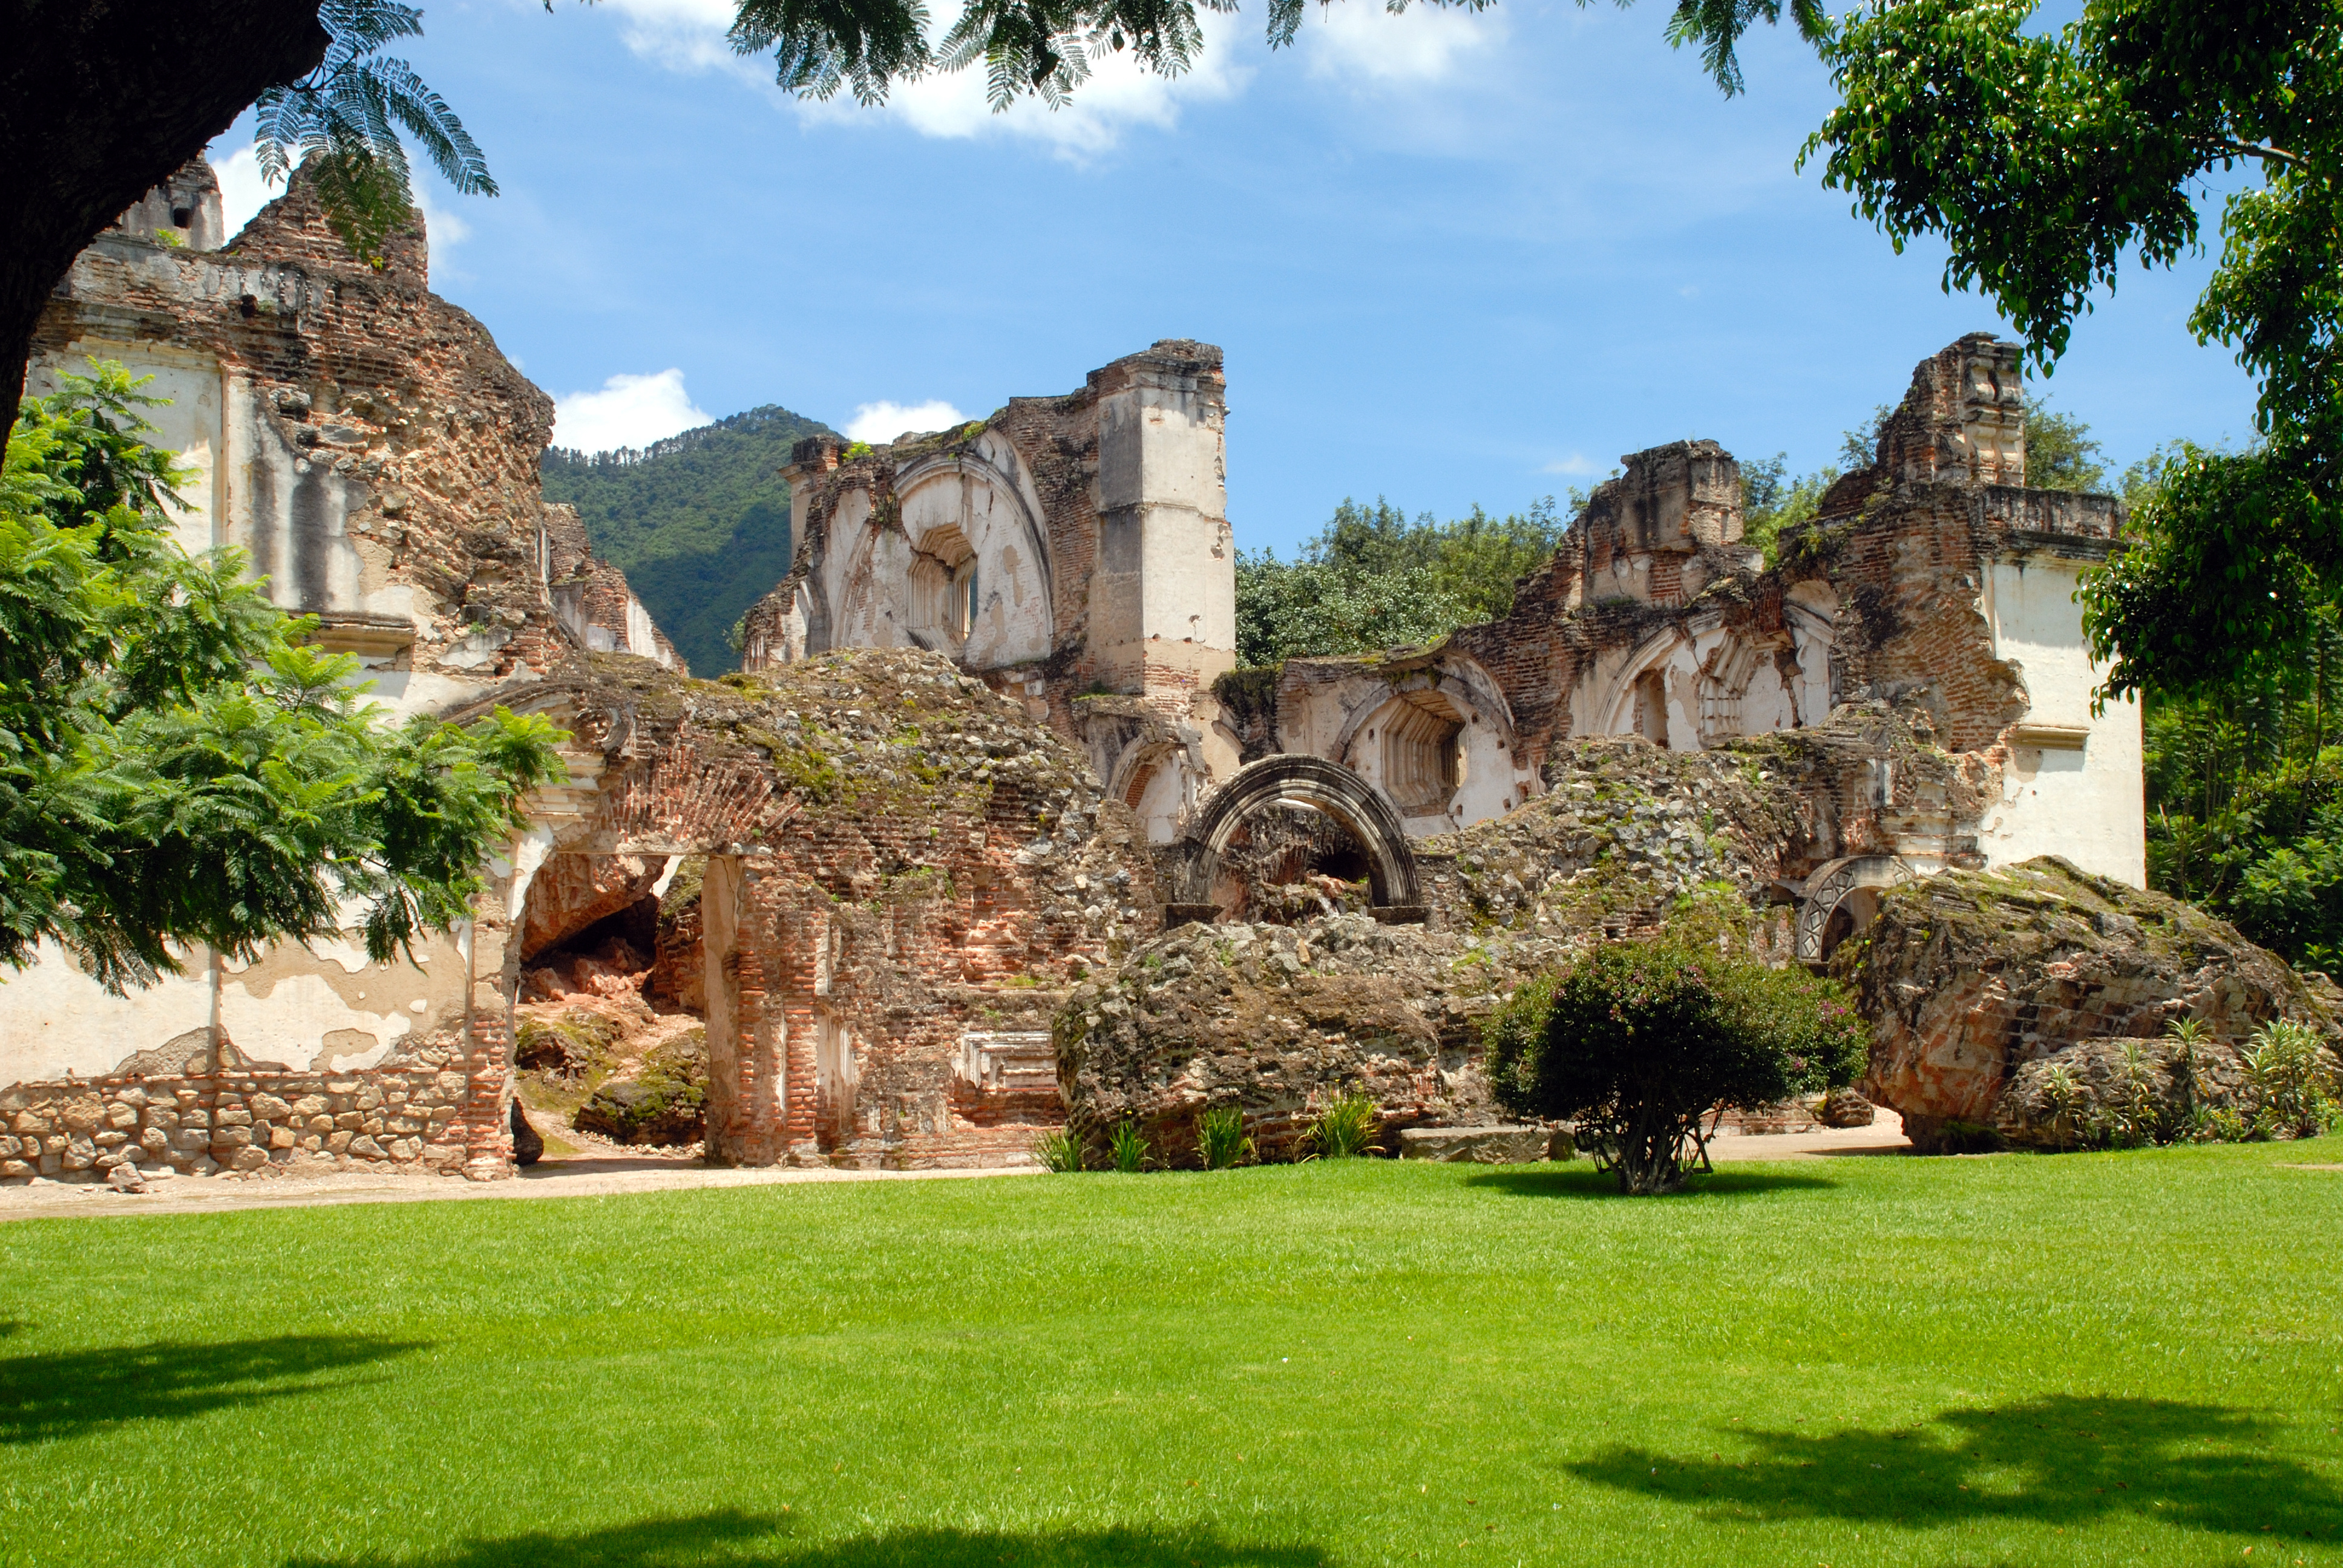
x,y
1298,779
1852,887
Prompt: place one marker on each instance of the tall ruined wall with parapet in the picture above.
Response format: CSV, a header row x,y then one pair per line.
x,y
1064,549
376,458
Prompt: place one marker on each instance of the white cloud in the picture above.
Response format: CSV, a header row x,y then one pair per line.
x,y
1361,41
684,35
690,36
628,411
442,230
1576,463
243,192
879,423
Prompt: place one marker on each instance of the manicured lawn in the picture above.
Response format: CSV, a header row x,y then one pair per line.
x,y
2125,1358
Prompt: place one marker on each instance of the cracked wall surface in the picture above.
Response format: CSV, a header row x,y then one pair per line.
x,y
374,455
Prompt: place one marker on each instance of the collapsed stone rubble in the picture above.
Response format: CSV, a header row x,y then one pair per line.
x,y
1978,982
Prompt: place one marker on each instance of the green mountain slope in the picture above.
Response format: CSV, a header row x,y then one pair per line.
x,y
699,522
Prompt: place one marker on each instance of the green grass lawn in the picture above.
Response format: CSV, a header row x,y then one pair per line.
x,y
2121,1358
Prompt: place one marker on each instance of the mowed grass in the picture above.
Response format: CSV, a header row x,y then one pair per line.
x,y
2121,1358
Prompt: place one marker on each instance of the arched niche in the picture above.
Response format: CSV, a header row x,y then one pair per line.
x,y
1441,744
1296,780
1842,899
1160,783
980,588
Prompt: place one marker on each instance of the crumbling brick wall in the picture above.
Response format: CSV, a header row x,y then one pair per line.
x,y
367,380
903,868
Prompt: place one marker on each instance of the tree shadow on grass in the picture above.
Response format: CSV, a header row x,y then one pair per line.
x,y
2061,1460
1586,1181
63,1394
739,1540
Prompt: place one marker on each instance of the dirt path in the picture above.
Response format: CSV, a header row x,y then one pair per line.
x,y
583,1178
602,1176
1883,1136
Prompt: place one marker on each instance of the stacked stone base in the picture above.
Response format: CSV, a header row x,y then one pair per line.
x,y
443,1122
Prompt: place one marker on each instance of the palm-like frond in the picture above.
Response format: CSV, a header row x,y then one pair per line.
x,y
347,115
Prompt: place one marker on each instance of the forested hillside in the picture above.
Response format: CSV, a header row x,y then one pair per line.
x,y
699,522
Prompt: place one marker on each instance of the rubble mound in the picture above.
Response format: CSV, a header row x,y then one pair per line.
x,y
664,1103
1975,982
1278,1020
1624,828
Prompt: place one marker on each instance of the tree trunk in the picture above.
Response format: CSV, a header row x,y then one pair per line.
x,y
1650,1154
101,101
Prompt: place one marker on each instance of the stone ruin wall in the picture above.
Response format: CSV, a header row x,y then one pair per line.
x,y
376,456
906,872
893,909
1121,487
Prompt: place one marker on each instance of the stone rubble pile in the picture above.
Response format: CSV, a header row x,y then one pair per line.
x,y
1975,982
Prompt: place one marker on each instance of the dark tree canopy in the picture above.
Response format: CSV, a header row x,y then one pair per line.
x,y
1641,1042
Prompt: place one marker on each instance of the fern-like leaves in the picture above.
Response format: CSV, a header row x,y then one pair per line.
x,y
347,116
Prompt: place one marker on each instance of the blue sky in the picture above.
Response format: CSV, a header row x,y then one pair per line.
x,y
1452,259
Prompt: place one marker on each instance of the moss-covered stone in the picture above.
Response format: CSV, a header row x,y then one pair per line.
x,y
1970,976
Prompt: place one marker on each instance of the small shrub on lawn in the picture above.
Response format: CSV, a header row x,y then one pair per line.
x,y
1639,1043
1127,1149
1060,1151
2287,1074
1346,1129
1221,1140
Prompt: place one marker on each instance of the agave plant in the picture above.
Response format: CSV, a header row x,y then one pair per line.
x,y
2289,1078
1060,1151
1221,1139
1127,1149
2066,1098
1346,1129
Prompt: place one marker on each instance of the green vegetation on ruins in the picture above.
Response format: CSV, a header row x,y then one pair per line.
x,y
1373,578
2053,1361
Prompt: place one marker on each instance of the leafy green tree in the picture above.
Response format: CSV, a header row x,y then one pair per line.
x,y
177,765
1372,578
1640,1042
2061,453
2042,159
1774,498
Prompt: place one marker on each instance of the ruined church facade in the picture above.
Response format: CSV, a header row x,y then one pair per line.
x,y
1074,552
989,739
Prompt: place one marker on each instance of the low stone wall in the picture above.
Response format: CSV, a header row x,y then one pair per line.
x,y
444,1120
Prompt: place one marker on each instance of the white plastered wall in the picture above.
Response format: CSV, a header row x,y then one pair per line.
x,y
1166,568
189,425
2072,785
325,1007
